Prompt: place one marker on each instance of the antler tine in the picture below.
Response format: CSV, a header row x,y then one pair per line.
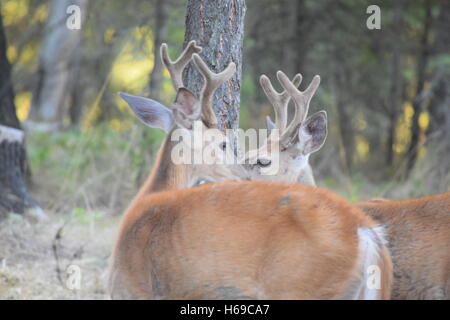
x,y
301,99
176,67
278,100
212,81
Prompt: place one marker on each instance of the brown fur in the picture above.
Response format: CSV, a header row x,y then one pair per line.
x,y
165,174
418,232
215,242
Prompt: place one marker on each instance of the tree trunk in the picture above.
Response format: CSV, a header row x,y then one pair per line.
x,y
14,196
396,91
301,41
156,77
76,91
346,131
344,114
58,54
417,103
218,26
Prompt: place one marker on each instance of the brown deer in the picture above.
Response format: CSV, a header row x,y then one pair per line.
x,y
248,240
418,230
418,234
186,112
296,141
239,240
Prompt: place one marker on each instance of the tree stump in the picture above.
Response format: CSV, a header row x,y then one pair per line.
x,y
14,196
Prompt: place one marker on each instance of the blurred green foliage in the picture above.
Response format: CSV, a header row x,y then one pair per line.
x,y
71,152
94,167
83,216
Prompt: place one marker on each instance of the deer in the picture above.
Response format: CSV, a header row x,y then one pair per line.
x,y
186,113
418,238
295,141
237,239
417,230
248,240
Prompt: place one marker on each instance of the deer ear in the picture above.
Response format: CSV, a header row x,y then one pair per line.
x,y
313,132
150,112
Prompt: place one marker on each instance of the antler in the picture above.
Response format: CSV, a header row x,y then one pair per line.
x,y
279,101
212,81
176,67
301,100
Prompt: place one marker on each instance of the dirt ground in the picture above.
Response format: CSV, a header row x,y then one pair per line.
x,y
35,257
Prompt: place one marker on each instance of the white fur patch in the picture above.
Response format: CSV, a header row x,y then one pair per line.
x,y
370,242
300,162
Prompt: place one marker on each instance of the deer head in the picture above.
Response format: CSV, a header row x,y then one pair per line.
x,y
181,161
293,143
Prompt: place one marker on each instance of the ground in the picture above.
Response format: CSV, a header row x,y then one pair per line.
x,y
28,265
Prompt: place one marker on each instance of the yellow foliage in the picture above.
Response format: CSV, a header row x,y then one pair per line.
x,y
362,148
92,115
41,13
402,132
424,121
11,53
130,70
119,124
143,33
408,110
131,73
108,36
23,104
29,55
14,11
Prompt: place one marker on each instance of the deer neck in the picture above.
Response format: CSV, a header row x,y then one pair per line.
x,y
165,175
306,176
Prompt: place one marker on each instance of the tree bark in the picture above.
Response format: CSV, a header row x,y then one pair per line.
x,y
341,80
76,90
301,40
421,77
156,77
218,26
58,54
14,196
346,131
396,90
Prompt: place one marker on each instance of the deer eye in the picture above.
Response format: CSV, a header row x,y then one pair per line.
x,y
263,162
223,146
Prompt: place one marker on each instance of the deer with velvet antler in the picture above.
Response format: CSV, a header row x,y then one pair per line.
x,y
239,239
295,141
183,114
